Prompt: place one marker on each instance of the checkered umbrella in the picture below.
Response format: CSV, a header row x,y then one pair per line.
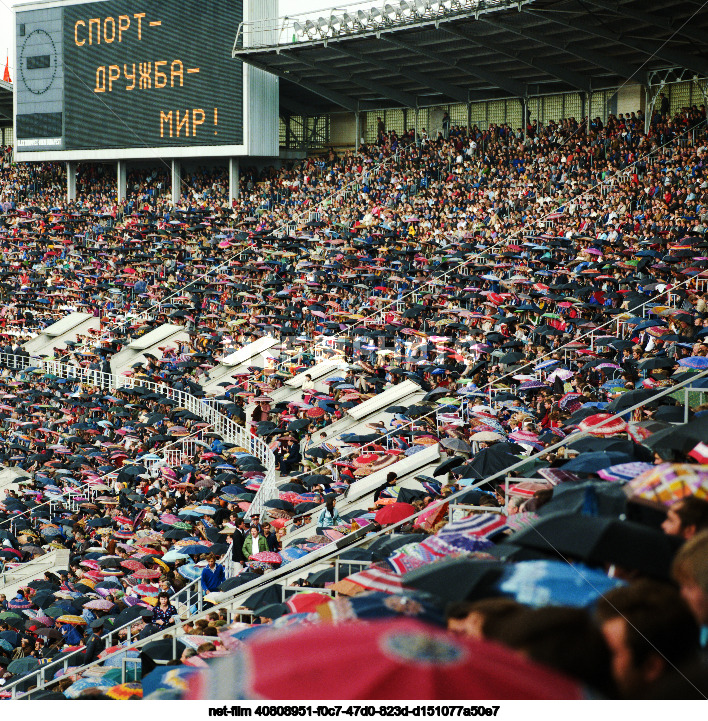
x,y
669,482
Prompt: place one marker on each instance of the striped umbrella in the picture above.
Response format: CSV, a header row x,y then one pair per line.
x,y
377,579
484,525
625,471
72,619
532,385
570,401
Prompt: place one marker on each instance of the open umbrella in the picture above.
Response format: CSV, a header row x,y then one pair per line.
x,y
306,602
393,513
603,424
669,482
458,579
555,583
399,658
601,541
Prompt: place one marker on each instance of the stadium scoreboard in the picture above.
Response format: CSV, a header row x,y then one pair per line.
x,y
128,74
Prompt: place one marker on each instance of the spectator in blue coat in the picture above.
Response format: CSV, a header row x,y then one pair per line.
x,y
213,575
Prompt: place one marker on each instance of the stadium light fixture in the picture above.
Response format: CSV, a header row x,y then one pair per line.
x,y
322,27
309,28
374,15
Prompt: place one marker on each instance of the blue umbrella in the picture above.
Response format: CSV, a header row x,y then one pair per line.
x,y
293,553
167,678
194,548
555,583
190,572
377,604
593,462
698,362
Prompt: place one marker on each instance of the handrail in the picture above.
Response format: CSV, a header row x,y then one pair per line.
x,y
231,431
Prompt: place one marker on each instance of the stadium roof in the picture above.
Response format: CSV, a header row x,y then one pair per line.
x,y
5,103
495,49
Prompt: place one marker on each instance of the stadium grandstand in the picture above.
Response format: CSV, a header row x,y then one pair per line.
x,y
415,388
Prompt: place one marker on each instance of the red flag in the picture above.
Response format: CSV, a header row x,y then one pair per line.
x,y
6,74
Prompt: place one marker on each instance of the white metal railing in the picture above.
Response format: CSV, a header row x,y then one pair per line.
x,y
221,424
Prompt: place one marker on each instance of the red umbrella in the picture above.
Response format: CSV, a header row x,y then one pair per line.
x,y
431,516
146,573
603,424
306,602
397,659
315,412
365,459
393,513
132,565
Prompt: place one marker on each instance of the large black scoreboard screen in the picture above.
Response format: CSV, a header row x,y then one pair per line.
x,y
128,74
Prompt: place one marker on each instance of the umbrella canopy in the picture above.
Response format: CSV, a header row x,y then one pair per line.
x,y
603,424
393,513
306,602
555,583
601,541
459,579
668,482
394,659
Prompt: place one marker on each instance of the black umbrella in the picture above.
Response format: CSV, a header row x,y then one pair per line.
x,y
161,650
384,546
602,541
447,465
264,596
457,579
490,461
236,581
590,498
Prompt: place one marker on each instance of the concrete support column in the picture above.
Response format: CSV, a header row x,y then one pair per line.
x,y
121,180
234,179
176,181
357,130
71,181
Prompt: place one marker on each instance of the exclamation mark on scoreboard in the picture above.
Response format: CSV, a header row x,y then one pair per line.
x,y
216,119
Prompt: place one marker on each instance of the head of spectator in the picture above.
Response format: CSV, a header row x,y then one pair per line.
x,y
650,632
480,619
690,570
686,517
564,639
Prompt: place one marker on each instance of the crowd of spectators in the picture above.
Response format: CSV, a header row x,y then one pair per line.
x,y
532,282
